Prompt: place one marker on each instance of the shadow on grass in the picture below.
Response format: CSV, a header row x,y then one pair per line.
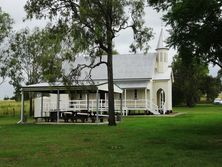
x,y
198,137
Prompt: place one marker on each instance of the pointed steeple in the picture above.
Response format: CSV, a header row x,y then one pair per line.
x,y
161,43
162,54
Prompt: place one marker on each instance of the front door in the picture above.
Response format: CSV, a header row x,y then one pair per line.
x,y
160,98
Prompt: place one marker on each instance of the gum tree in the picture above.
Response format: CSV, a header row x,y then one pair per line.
x,y
90,27
26,59
5,28
196,25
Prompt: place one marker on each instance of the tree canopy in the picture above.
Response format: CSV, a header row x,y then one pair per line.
x,y
188,77
192,81
196,24
31,58
21,59
5,28
89,28
211,87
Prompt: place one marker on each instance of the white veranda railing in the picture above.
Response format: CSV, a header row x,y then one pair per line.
x,y
91,105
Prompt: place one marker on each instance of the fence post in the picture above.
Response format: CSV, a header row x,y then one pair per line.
x,y
58,105
97,105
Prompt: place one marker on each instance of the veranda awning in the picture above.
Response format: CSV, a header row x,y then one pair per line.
x,y
54,87
59,87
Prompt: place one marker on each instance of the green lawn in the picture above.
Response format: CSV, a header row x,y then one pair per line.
x,y
192,139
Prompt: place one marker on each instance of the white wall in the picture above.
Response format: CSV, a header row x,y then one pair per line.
x,y
37,106
130,94
162,60
166,85
64,101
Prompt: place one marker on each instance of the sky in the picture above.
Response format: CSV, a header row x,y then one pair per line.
x,y
16,11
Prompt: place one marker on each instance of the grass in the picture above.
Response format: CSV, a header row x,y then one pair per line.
x,y
12,108
192,139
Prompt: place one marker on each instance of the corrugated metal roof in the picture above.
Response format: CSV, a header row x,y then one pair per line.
x,y
132,84
125,66
41,87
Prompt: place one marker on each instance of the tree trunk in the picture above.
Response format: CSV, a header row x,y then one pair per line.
x,y
112,121
109,42
190,102
31,113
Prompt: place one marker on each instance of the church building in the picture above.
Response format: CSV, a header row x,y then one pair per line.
x,y
142,82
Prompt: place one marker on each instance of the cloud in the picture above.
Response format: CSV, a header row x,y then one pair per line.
x,y
16,10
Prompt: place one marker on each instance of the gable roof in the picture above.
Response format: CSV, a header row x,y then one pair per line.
x,y
125,67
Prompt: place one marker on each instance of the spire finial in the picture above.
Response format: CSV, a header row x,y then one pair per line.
x,y
161,24
161,44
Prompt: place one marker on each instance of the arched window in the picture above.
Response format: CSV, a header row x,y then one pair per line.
x,y
160,98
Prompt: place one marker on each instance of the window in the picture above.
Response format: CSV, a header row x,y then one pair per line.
x,y
135,94
165,58
161,57
80,96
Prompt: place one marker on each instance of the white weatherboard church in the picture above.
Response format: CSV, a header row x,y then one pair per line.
x,y
146,80
142,82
